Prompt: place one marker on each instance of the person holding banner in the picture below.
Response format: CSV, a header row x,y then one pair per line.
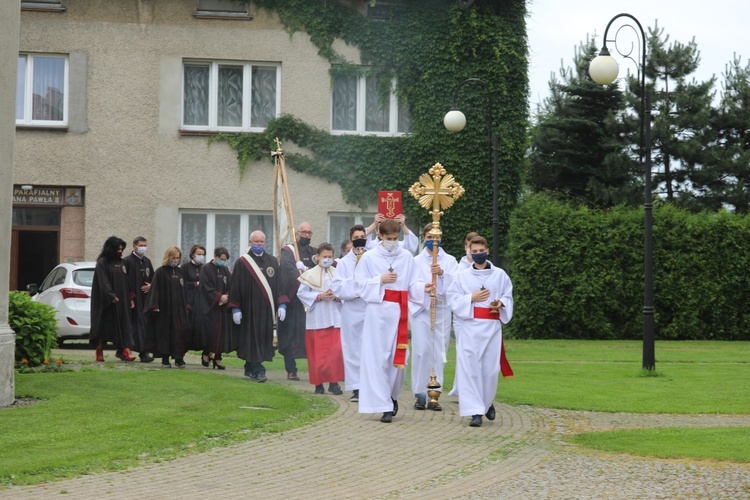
x,y
430,342
253,298
482,297
388,279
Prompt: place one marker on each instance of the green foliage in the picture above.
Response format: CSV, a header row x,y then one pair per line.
x,y
429,47
36,329
578,272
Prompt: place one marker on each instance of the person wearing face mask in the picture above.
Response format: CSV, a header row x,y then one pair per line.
x,y
140,272
191,270
429,346
110,302
410,242
212,316
167,307
387,279
482,296
346,289
464,263
253,299
291,327
323,321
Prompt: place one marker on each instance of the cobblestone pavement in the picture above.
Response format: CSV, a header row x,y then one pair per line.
x,y
521,454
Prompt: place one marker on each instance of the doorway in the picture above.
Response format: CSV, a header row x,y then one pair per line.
x,y
35,245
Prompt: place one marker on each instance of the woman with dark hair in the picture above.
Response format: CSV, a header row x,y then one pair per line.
x,y
191,271
167,308
110,303
213,318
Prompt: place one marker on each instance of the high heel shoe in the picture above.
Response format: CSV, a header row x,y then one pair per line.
x,y
100,354
205,360
217,365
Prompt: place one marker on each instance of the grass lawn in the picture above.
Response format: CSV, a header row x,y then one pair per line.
x,y
109,419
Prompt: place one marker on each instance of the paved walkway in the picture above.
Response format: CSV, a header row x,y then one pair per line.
x,y
423,453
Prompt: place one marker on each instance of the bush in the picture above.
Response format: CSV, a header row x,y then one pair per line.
x,y
36,329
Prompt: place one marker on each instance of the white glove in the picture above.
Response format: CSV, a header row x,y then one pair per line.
x,y
282,313
237,317
301,266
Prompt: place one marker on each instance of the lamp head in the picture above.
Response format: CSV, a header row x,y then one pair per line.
x,y
603,68
454,120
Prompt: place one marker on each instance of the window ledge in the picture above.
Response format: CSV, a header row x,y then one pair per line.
x,y
42,7
50,128
226,16
211,133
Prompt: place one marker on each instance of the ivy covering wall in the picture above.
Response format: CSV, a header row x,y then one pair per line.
x,y
429,47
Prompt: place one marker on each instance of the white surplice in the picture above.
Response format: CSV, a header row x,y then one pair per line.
x,y
428,347
346,289
478,351
380,380
322,313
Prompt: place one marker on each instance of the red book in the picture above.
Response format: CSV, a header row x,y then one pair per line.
x,y
389,204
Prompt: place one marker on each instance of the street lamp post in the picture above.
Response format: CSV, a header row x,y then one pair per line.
x,y
603,70
455,121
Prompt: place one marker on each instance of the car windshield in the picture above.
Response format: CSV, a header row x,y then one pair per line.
x,y
83,277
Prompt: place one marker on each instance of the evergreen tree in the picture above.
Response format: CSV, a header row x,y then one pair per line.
x,y
578,148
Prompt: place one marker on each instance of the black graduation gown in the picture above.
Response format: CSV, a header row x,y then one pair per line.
x,y
291,331
253,337
140,271
170,325
212,321
191,272
110,322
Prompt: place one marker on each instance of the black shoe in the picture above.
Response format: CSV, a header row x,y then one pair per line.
x,y
476,421
434,407
395,407
262,378
334,388
355,396
145,357
421,402
165,364
251,376
490,413
179,363
387,417
319,389
205,360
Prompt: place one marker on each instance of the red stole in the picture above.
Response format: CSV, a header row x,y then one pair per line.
x,y
402,336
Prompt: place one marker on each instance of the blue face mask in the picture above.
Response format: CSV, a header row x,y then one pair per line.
x,y
257,249
430,244
479,258
220,263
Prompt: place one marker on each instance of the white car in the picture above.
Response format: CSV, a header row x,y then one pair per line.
x,y
67,288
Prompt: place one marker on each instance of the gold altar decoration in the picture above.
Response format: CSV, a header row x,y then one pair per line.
x,y
436,190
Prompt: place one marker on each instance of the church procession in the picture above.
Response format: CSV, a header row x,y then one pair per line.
x,y
362,319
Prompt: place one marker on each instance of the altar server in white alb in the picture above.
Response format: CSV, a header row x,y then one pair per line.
x,y
410,242
323,321
352,308
388,279
482,297
429,345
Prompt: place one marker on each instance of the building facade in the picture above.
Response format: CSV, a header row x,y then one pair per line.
x,y
116,101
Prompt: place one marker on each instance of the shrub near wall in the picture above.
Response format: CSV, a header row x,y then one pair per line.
x,y
35,327
578,272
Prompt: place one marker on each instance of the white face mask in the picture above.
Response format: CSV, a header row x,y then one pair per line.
x,y
199,259
390,245
174,262
141,250
326,262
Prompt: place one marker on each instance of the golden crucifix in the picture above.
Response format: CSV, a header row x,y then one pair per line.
x,y
436,190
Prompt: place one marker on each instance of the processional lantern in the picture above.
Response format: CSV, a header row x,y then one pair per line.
x,y
436,191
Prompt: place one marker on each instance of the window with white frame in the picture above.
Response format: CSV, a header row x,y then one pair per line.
x,y
42,90
223,9
358,108
223,228
229,96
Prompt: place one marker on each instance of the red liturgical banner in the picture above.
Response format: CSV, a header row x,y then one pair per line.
x,y
389,203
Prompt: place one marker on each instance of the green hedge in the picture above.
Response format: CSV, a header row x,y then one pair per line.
x,y
578,273
36,329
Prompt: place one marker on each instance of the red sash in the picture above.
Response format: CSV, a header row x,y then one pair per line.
x,y
402,336
485,313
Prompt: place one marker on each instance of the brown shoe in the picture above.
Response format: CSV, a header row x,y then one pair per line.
x,y
292,376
